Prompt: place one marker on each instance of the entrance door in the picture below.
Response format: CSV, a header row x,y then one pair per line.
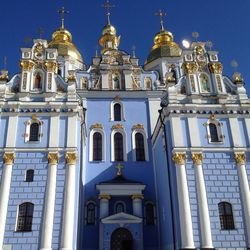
x,y
121,239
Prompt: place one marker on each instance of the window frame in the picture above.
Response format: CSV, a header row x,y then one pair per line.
x,y
91,202
145,213
27,130
141,131
124,206
91,144
209,83
37,90
25,218
26,175
218,125
114,131
225,218
112,110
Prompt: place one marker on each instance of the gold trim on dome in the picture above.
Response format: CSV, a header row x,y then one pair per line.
x,y
50,66
179,158
53,158
97,125
197,158
104,197
138,126
26,65
117,126
216,68
137,196
8,158
240,158
190,67
71,157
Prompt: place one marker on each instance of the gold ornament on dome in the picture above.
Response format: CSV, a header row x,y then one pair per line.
x,y
96,126
240,158
53,158
71,158
197,158
216,68
50,66
26,65
117,126
179,158
138,126
137,196
190,67
8,158
104,197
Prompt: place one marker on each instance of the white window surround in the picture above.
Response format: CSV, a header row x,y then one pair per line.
x,y
209,83
86,211
91,143
219,131
124,205
114,131
27,130
141,131
17,213
112,113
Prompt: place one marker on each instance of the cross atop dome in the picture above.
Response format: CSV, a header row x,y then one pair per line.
x,y
108,7
161,14
62,13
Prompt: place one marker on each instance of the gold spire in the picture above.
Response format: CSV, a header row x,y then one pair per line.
x,y
109,40
161,14
62,40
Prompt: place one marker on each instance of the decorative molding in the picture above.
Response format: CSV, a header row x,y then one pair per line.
x,y
197,158
34,117
240,158
71,158
190,67
216,68
8,158
117,98
104,197
138,126
53,158
212,117
50,66
179,158
137,196
26,65
117,126
96,126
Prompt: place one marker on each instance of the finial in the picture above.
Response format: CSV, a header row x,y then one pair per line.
x,y
209,44
161,14
133,51
195,35
96,51
62,13
119,169
40,32
108,7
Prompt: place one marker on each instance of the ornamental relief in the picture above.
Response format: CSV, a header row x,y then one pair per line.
x,y
190,67
240,158
179,158
216,67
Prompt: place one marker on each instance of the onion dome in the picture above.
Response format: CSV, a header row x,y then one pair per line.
x,y
62,41
164,45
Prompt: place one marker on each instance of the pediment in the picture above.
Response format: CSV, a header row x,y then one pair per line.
x,y
121,218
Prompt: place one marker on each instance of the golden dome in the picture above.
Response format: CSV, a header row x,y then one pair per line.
x,y
62,41
109,30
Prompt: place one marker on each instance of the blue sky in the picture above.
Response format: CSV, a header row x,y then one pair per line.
x,y
225,22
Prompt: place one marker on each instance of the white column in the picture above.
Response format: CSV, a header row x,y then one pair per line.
x,y
69,203
8,159
104,205
187,240
244,187
49,205
137,204
205,227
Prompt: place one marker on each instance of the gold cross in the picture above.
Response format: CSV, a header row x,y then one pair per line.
x,y
62,13
119,169
108,7
161,14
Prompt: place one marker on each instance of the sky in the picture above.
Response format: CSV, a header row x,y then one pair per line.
x,y
224,22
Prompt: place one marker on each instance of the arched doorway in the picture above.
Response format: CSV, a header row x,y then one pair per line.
x,y
121,239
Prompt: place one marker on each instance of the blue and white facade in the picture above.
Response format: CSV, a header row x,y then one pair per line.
x,y
116,156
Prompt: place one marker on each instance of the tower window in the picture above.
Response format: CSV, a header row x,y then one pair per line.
x,y
37,84
29,175
91,210
119,207
149,214
226,216
139,147
117,112
34,132
213,132
118,143
25,217
97,146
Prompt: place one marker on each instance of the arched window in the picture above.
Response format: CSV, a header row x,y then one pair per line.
x,y
119,207
204,83
34,132
117,112
29,175
139,147
37,84
91,213
149,213
213,133
116,81
226,216
97,146
25,217
118,144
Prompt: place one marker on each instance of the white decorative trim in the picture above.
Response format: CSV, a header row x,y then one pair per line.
x,y
141,131
27,130
91,144
112,112
219,131
113,144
